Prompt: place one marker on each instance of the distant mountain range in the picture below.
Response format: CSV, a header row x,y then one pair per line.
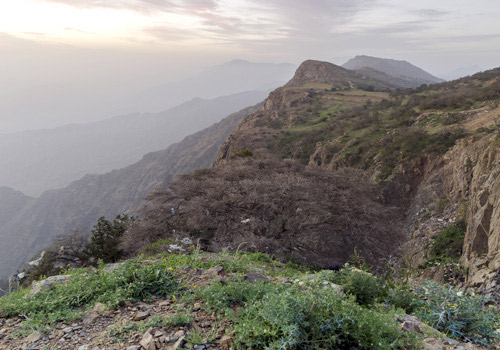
x,y
406,72
461,72
35,161
27,225
61,104
225,79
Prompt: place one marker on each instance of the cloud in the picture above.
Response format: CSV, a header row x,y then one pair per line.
x,y
397,28
430,13
145,6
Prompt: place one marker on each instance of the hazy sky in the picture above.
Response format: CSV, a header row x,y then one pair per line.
x,y
91,51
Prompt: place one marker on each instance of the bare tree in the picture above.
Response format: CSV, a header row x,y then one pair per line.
x,y
310,215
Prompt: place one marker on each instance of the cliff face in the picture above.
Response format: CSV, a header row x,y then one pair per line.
x,y
434,151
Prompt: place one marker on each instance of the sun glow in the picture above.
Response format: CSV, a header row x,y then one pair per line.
x,y
63,24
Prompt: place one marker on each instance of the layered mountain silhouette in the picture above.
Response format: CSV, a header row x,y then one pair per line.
x,y
405,72
35,161
224,79
28,225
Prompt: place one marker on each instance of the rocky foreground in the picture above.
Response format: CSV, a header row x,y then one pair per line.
x,y
213,301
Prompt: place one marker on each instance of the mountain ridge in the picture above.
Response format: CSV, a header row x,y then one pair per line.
x,y
35,161
396,68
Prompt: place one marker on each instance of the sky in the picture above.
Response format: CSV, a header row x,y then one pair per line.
x,y
60,56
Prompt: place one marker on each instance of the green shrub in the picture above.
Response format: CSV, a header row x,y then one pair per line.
x,y
105,238
365,287
460,315
448,244
316,319
132,281
242,154
218,296
402,297
158,246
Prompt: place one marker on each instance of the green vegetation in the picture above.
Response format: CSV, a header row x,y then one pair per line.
x,y
315,318
458,314
365,287
77,250
132,281
158,246
298,310
447,245
105,238
243,154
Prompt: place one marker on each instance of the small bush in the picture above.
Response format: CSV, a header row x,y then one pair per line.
x,y
105,238
318,318
243,154
132,281
365,287
402,297
460,315
448,244
218,296
158,247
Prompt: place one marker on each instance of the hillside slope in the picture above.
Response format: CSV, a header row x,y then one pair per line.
x,y
78,206
412,75
433,151
35,161
11,202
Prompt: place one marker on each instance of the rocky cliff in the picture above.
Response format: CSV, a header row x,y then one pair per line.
x,y
434,151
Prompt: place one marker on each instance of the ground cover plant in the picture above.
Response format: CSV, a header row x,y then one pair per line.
x,y
295,308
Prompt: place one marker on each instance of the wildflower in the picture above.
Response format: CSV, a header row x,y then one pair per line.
x,y
460,293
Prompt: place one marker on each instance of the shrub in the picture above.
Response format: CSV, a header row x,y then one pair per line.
x,y
458,314
273,206
448,244
132,281
221,297
318,318
242,154
105,238
403,297
365,287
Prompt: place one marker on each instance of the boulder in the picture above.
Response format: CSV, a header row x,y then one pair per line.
x,y
47,284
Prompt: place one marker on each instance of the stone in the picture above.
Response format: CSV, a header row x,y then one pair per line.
x,y
411,327
196,306
142,315
252,277
67,330
449,341
337,288
225,342
177,344
159,333
148,341
47,284
433,344
134,347
112,267
99,307
214,272
90,318
164,304
33,337
84,347
186,241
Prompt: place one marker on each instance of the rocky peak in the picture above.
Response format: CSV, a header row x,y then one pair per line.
x,y
312,71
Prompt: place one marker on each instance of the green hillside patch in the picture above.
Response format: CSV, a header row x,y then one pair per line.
x,y
288,307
